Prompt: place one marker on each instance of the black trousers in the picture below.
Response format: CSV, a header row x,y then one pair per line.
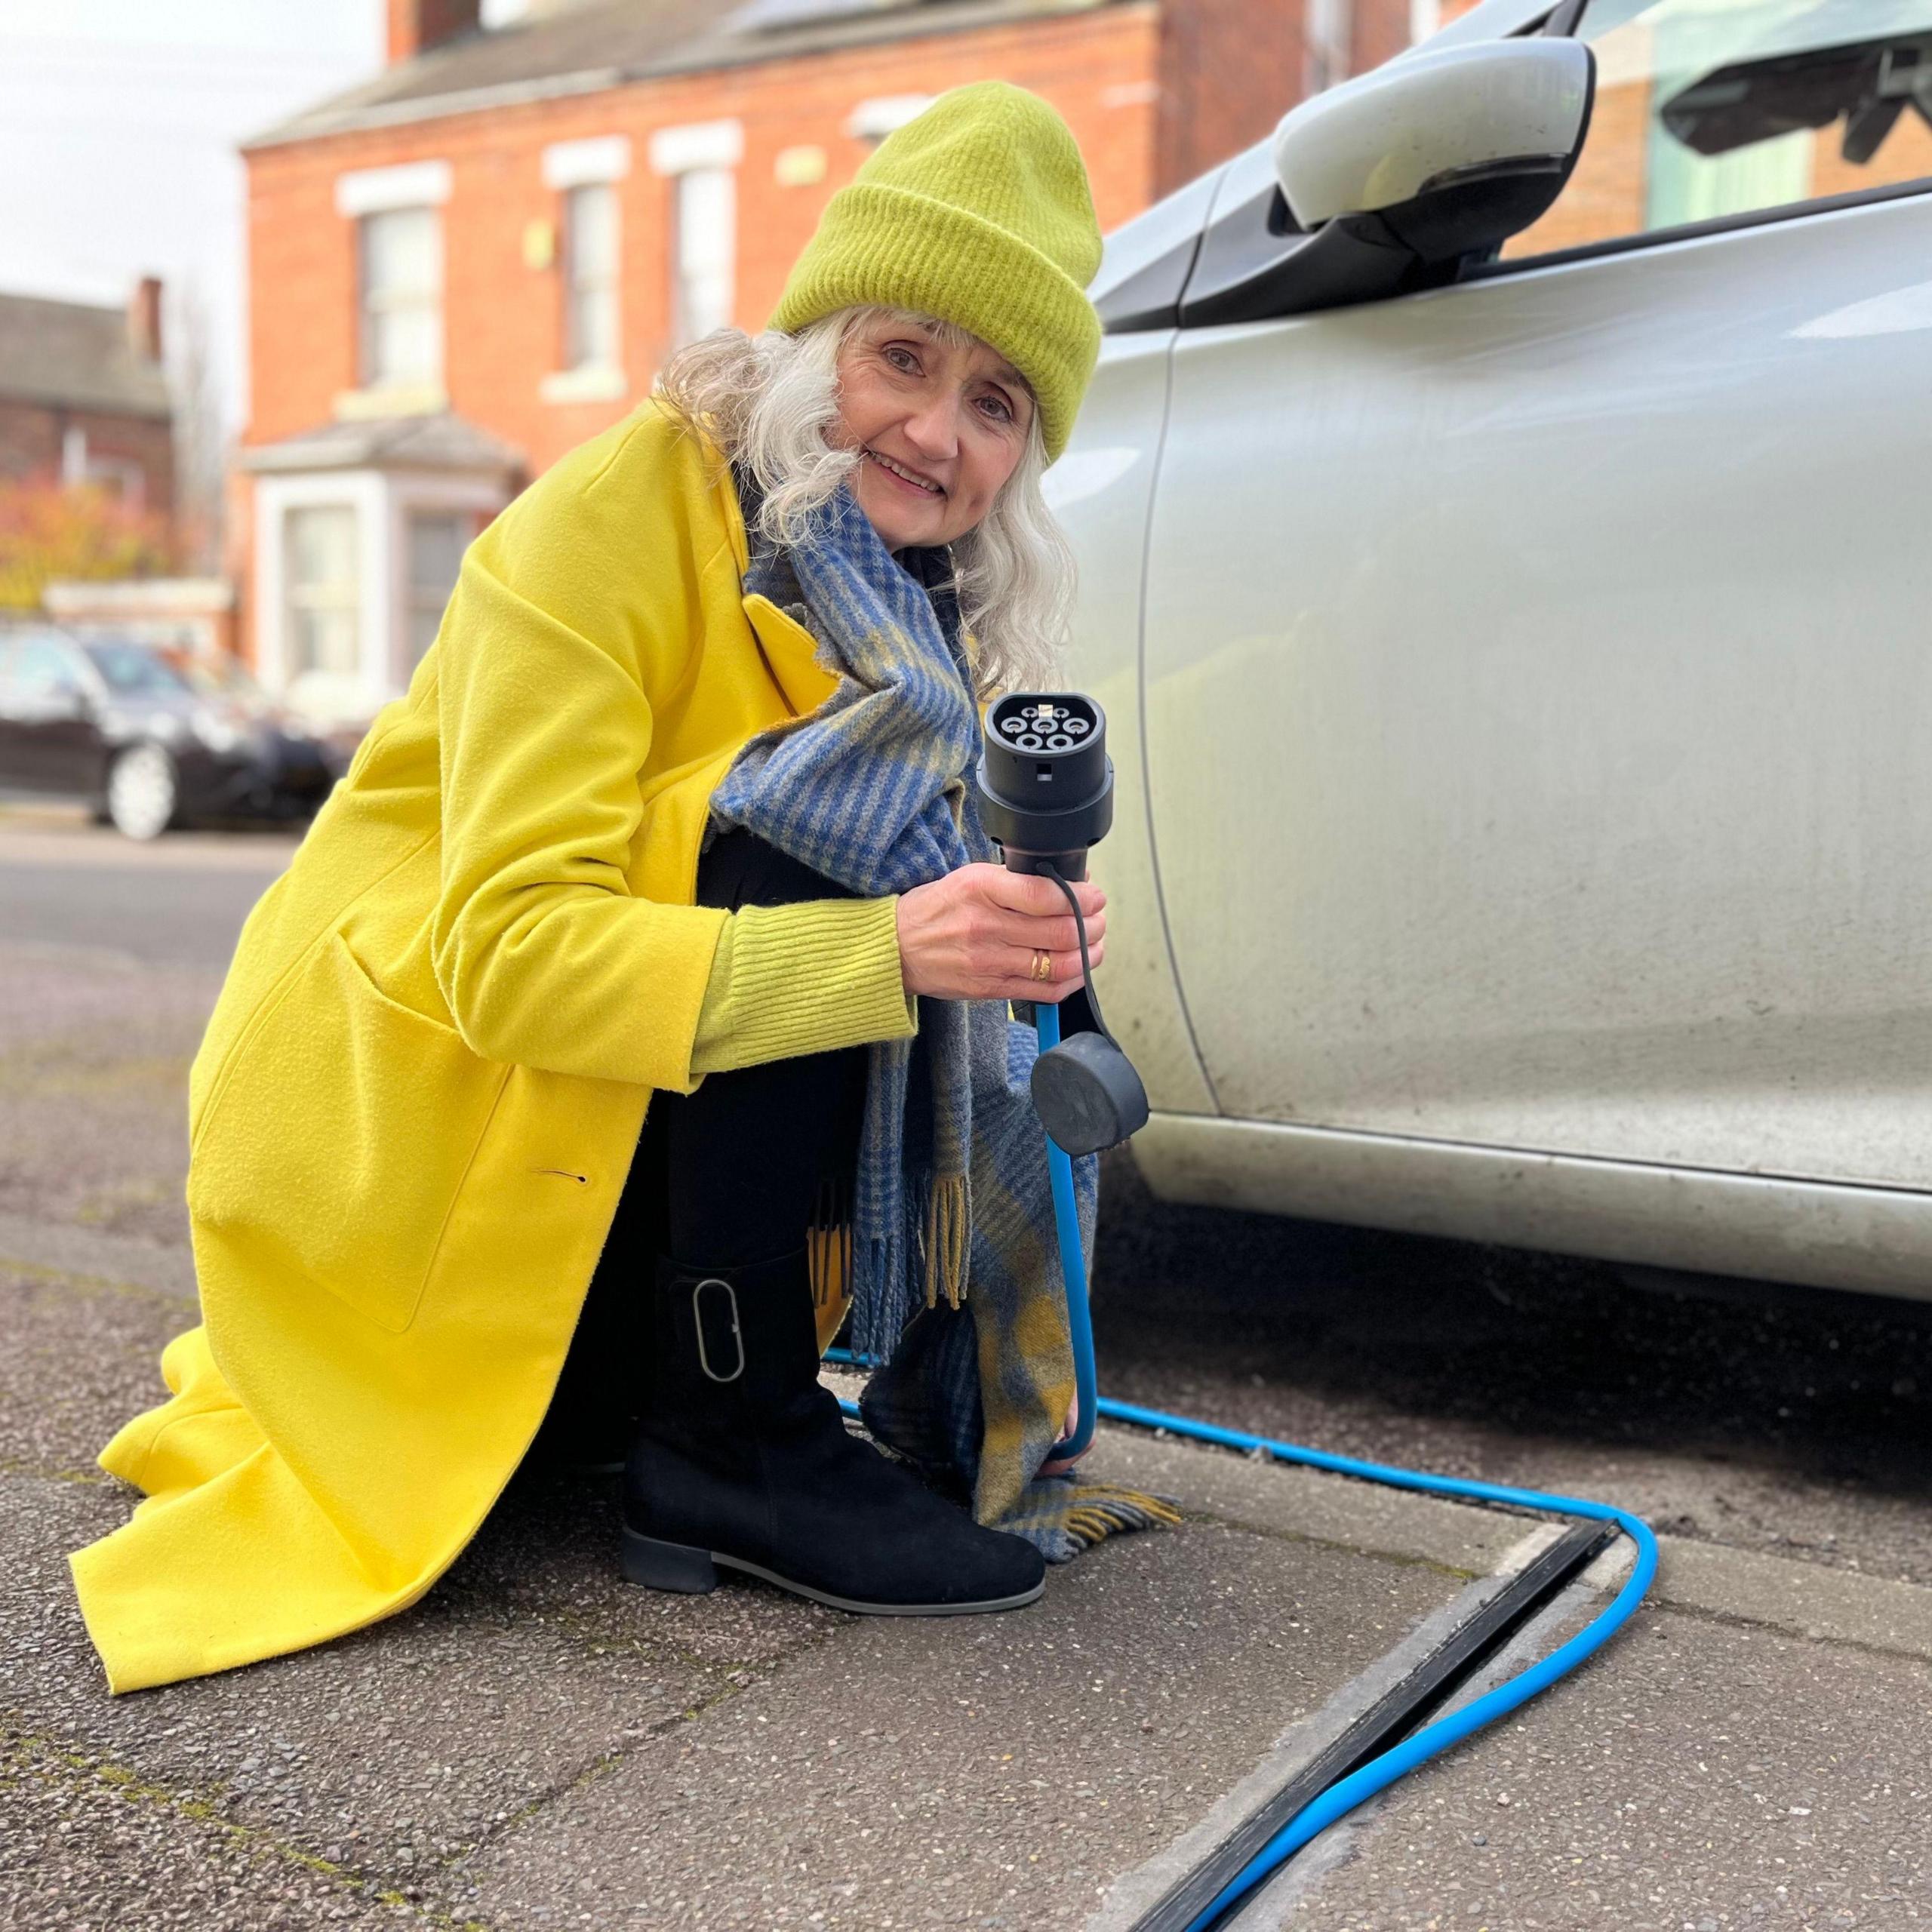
x,y
731,1173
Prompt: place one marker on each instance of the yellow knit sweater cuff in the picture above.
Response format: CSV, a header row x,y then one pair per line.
x,y
803,979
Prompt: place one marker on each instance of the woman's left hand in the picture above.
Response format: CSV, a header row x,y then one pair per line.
x,y
1060,1465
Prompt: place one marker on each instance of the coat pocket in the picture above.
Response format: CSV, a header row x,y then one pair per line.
x,y
337,1149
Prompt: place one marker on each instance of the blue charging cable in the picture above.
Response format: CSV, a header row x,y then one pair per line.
x,y
1344,1796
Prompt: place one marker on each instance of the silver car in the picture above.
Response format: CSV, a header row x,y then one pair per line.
x,y
1502,517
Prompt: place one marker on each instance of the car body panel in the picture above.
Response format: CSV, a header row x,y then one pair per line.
x,y
1875,1240
1578,684
1531,696
1104,489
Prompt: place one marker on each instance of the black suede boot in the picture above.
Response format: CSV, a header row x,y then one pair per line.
x,y
743,1460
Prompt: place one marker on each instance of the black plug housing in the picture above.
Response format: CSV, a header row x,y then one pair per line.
x,y
1045,787
1046,784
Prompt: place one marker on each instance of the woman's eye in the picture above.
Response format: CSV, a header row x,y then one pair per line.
x,y
904,359
997,408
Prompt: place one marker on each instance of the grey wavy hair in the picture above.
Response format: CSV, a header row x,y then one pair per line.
x,y
769,400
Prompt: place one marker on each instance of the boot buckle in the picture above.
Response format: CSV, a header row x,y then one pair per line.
x,y
728,1312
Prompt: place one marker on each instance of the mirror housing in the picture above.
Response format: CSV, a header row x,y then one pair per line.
x,y
1443,154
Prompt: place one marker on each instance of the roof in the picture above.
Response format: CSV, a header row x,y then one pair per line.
x,y
602,44
444,440
76,355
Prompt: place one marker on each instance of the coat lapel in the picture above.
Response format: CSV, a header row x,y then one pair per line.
x,y
791,655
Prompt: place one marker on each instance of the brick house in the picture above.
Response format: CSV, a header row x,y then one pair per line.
x,y
469,265
84,397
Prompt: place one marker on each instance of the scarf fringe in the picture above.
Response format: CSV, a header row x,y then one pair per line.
x,y
829,1244
949,1220
1061,1517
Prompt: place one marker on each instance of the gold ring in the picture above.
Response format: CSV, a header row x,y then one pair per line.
x,y
1043,964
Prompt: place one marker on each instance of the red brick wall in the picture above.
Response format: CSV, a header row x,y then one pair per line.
x,y
31,435
29,440
503,321
1381,32
1154,90
1230,69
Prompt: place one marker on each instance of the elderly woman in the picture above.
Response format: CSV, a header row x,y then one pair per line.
x,y
646,980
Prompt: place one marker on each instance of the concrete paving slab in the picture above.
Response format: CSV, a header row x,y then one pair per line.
x,y
1700,1774
1287,1501
1804,1599
1136,1892
83,1847
524,1558
993,1771
385,1752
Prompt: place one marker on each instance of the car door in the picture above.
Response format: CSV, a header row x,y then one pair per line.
x,y
48,740
1536,697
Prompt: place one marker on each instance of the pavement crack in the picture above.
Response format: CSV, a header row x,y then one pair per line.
x,y
1666,1605
43,1758
38,1274
19,1466
732,1681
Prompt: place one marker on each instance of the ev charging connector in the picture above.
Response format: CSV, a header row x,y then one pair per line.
x,y
1046,794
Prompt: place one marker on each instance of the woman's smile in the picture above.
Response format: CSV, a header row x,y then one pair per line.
x,y
914,481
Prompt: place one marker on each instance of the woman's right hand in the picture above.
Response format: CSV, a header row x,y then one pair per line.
x,y
972,934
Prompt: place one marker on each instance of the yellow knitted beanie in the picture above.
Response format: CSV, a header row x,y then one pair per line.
x,y
977,213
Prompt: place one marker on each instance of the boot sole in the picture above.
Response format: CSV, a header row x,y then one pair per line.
x,y
658,1565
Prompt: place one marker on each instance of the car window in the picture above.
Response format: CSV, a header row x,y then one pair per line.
x,y
222,677
1710,108
132,670
42,667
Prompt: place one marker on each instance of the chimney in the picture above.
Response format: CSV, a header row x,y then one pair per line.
x,y
144,318
416,25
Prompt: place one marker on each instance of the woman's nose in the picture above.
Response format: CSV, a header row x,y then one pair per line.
x,y
934,430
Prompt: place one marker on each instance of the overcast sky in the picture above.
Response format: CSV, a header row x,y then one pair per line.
x,y
118,122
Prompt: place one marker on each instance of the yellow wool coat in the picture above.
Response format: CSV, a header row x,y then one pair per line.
x,y
417,1099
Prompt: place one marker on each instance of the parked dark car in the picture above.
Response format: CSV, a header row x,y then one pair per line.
x,y
149,739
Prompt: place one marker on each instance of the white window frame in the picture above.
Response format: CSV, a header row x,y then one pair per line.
x,y
373,382
378,191
885,114
359,491
383,501
416,184
600,160
569,164
577,289
713,148
697,144
1328,28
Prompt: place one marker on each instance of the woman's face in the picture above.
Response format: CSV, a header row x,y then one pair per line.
x,y
942,429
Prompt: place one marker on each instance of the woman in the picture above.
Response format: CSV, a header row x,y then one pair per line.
x,y
667,838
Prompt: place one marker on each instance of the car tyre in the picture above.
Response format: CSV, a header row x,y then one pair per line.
x,y
144,792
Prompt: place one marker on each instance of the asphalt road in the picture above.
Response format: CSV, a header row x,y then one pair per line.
x,y
535,1746
179,902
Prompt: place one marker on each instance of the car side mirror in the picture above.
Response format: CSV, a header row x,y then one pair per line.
x,y
1440,155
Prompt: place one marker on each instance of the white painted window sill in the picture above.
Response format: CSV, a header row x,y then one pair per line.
x,y
397,399
588,385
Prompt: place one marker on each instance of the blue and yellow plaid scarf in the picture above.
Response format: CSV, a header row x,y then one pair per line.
x,y
952,1187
